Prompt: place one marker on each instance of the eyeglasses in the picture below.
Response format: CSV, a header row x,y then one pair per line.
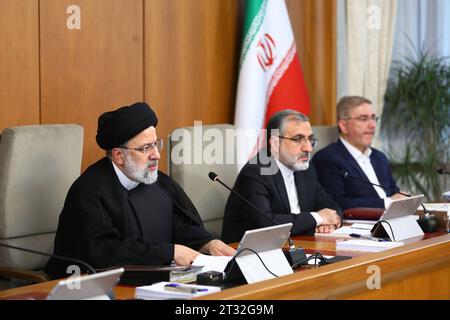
x,y
302,140
146,149
365,119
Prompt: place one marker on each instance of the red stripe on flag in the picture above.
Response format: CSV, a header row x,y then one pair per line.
x,y
289,93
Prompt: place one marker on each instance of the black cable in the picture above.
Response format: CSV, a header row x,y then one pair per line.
x,y
90,269
244,249
314,256
393,237
315,259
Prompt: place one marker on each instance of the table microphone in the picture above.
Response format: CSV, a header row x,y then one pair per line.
x,y
295,255
346,175
90,269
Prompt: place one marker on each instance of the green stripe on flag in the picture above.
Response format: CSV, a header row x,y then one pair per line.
x,y
254,16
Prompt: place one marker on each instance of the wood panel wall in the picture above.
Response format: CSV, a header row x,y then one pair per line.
x,y
181,56
19,63
314,26
94,69
191,61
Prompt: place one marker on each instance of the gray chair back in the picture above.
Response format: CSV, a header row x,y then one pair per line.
x,y
326,135
191,156
38,163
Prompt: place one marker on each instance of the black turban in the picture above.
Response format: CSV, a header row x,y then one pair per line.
x,y
118,126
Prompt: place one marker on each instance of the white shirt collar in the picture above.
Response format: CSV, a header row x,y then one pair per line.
x,y
126,182
354,151
363,160
285,171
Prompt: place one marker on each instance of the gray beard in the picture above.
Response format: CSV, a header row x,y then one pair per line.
x,y
295,166
140,175
301,166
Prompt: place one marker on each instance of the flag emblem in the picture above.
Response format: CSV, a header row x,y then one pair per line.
x,y
266,52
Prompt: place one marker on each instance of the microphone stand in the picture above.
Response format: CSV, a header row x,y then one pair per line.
x,y
90,269
295,256
428,221
346,175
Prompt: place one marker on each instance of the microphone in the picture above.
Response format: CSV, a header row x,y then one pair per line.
x,y
90,269
294,256
443,171
346,175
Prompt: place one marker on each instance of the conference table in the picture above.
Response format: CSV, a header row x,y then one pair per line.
x,y
420,269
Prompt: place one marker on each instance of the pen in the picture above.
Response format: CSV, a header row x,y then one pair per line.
x,y
180,288
355,235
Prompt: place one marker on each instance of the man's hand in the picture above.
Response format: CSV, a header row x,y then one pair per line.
x,y
330,217
398,196
218,248
184,256
325,228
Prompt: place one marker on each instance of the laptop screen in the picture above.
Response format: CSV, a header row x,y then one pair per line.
x,y
97,286
264,239
402,207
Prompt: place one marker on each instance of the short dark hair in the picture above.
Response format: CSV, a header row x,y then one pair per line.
x,y
278,121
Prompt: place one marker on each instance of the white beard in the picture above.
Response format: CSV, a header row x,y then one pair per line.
x,y
294,165
301,166
143,175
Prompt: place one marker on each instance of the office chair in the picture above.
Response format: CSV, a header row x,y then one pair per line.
x,y
38,163
325,135
190,160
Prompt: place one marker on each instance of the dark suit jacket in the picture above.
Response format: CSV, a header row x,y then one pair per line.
x,y
268,193
334,160
106,225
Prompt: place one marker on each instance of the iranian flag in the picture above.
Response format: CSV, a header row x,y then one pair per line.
x,y
270,75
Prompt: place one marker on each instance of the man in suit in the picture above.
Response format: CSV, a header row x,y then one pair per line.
x,y
342,165
280,182
122,210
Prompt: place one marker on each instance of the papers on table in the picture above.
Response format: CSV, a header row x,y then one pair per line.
x,y
170,290
351,221
365,245
345,231
212,263
436,206
446,196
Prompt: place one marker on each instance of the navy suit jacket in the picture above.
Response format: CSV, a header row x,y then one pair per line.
x,y
268,193
334,160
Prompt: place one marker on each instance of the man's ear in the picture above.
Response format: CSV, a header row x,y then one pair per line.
x,y
274,144
342,124
118,156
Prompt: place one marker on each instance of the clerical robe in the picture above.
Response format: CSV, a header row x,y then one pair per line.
x,y
105,225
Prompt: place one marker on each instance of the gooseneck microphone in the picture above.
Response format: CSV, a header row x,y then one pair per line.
x,y
214,177
294,256
90,269
346,175
443,171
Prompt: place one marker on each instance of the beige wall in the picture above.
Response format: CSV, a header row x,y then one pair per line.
x,y
181,56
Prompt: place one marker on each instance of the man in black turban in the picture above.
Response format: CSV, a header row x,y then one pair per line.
x,y
122,210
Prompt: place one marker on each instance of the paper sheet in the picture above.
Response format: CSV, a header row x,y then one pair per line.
x,y
212,263
358,228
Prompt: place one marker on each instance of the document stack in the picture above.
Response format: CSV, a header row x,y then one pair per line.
x,y
173,290
365,245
